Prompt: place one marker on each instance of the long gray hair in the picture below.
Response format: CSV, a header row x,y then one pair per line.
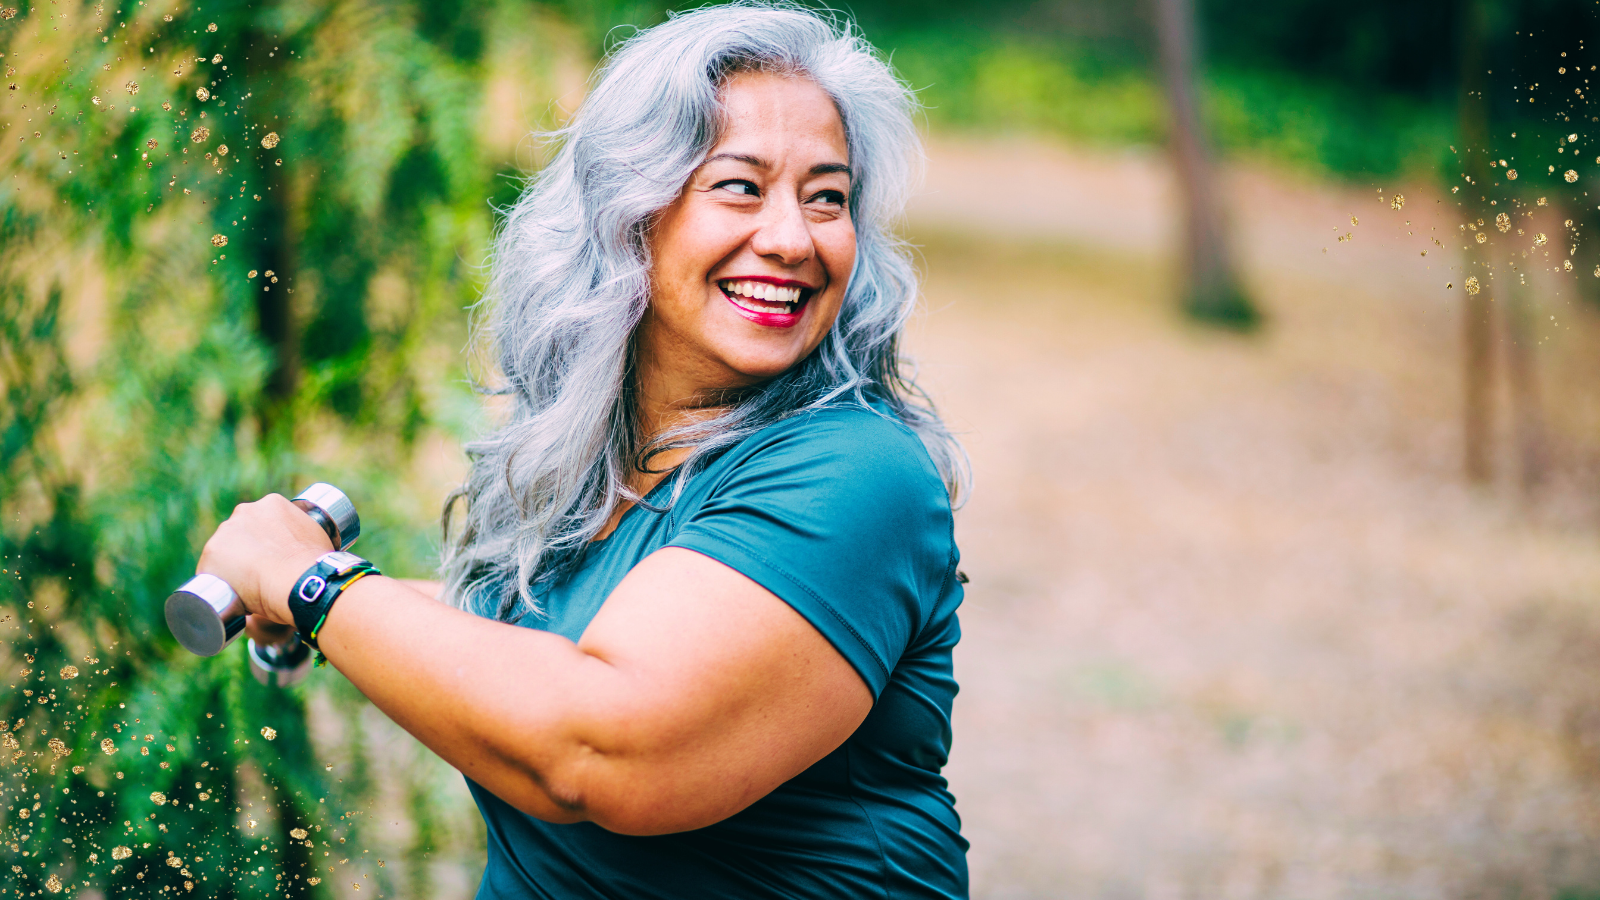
x,y
572,255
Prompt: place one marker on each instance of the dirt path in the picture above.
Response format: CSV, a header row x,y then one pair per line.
x,y
1234,628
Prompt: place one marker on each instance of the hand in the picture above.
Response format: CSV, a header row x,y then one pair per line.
x,y
261,550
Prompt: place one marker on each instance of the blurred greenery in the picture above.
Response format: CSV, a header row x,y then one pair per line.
x,y
1002,83
264,218
154,376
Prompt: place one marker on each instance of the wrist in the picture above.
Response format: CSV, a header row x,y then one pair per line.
x,y
320,586
279,583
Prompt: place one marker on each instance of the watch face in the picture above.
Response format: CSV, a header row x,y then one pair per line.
x,y
341,561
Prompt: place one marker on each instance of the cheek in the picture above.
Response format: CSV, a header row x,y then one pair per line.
x,y
838,251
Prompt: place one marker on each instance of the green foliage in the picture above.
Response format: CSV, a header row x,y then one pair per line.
x,y
152,380
977,81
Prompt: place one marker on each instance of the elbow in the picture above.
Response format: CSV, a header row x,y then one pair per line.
x,y
626,798
644,816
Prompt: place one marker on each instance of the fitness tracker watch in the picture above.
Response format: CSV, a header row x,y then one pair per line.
x,y
316,590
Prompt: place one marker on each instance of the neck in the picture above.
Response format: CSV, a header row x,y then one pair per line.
x,y
667,397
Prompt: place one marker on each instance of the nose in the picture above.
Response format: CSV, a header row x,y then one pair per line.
x,y
784,237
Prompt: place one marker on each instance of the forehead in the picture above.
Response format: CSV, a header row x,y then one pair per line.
x,y
781,114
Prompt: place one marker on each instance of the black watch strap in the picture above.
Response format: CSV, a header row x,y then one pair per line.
x,y
316,590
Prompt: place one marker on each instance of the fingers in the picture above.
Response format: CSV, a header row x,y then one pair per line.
x,y
266,632
260,549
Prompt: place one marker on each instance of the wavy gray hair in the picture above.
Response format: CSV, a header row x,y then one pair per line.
x,y
572,252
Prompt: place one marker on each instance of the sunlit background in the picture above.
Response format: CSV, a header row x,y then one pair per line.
x,y
1272,328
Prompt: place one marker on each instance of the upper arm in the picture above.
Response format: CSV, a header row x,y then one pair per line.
x,y
723,692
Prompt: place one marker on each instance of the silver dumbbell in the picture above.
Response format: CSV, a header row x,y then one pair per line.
x,y
206,615
281,664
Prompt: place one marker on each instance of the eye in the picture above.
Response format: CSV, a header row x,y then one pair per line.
x,y
738,186
835,198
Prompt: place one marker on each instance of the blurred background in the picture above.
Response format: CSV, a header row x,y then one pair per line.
x,y
1272,328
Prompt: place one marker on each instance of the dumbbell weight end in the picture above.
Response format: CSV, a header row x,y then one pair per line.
x,y
282,664
205,615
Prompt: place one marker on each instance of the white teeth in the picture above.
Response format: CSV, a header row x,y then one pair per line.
x,y
762,297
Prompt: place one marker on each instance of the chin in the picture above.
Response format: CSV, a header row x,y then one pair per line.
x,y
762,366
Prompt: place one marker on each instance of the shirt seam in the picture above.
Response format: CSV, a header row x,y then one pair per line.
x,y
888,673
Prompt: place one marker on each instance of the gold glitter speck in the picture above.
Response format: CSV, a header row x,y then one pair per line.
x,y
1399,202
270,140
53,883
58,747
202,94
1572,138
222,150
1571,176
313,881
120,853
1542,202
158,798
269,732
1472,285
175,862
1511,174
132,87
1502,222
1481,237
108,747
1539,239
212,27
200,134
298,834
72,671
219,240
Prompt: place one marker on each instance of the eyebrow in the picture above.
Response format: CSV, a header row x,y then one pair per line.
x,y
759,163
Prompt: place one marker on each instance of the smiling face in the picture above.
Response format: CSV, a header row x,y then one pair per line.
x,y
751,261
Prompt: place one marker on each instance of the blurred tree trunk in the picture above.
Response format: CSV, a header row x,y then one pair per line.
x,y
1527,414
1477,326
273,242
1212,291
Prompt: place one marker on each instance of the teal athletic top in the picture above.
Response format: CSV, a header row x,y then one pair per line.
x,y
841,514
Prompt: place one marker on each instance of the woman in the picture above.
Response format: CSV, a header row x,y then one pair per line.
x,y
699,613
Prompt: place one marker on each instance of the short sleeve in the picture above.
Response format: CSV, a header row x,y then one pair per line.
x,y
841,514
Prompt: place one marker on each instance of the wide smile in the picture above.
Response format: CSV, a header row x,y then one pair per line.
x,y
778,304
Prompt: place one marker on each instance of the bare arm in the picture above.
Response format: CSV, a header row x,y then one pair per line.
x,y
429,589
693,693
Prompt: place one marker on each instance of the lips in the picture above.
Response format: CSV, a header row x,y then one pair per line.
x,y
770,302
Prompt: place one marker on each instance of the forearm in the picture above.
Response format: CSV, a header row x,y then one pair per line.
x,y
499,703
429,589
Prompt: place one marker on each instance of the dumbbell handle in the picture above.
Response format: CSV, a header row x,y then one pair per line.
x,y
206,615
